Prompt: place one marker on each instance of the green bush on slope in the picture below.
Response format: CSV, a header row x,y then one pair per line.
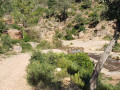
x,y
71,65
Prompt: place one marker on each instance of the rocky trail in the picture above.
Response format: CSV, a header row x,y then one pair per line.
x,y
13,72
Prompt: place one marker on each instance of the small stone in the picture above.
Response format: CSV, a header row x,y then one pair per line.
x,y
17,49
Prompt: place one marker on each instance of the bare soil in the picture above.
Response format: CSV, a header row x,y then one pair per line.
x,y
13,72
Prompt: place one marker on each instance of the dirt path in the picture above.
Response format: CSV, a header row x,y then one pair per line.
x,y
88,45
12,73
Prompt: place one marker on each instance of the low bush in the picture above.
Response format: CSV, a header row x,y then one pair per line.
x,y
82,60
15,26
86,4
26,37
79,28
6,42
50,57
2,27
43,44
41,70
69,25
63,63
32,21
77,80
26,47
40,73
69,35
94,19
116,48
79,19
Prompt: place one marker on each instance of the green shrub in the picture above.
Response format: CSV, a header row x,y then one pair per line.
x,y
116,48
63,63
38,73
38,12
41,70
94,19
73,68
7,42
94,16
61,75
50,57
26,37
68,35
15,26
26,47
44,45
32,21
38,56
79,27
86,4
69,25
82,59
77,80
79,19
2,27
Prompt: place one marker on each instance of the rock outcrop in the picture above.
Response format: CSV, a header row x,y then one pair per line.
x,y
15,34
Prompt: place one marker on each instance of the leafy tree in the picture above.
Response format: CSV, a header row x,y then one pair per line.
x,y
59,6
112,13
63,5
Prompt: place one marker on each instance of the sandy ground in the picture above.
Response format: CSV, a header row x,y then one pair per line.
x,y
13,74
87,45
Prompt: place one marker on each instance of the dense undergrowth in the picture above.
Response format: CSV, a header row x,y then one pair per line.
x,y
41,70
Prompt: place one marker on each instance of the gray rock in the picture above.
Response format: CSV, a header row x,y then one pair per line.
x,y
17,49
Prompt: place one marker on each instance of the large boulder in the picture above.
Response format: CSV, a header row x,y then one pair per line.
x,y
17,49
15,34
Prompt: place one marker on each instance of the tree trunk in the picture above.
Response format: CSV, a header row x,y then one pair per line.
x,y
104,56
